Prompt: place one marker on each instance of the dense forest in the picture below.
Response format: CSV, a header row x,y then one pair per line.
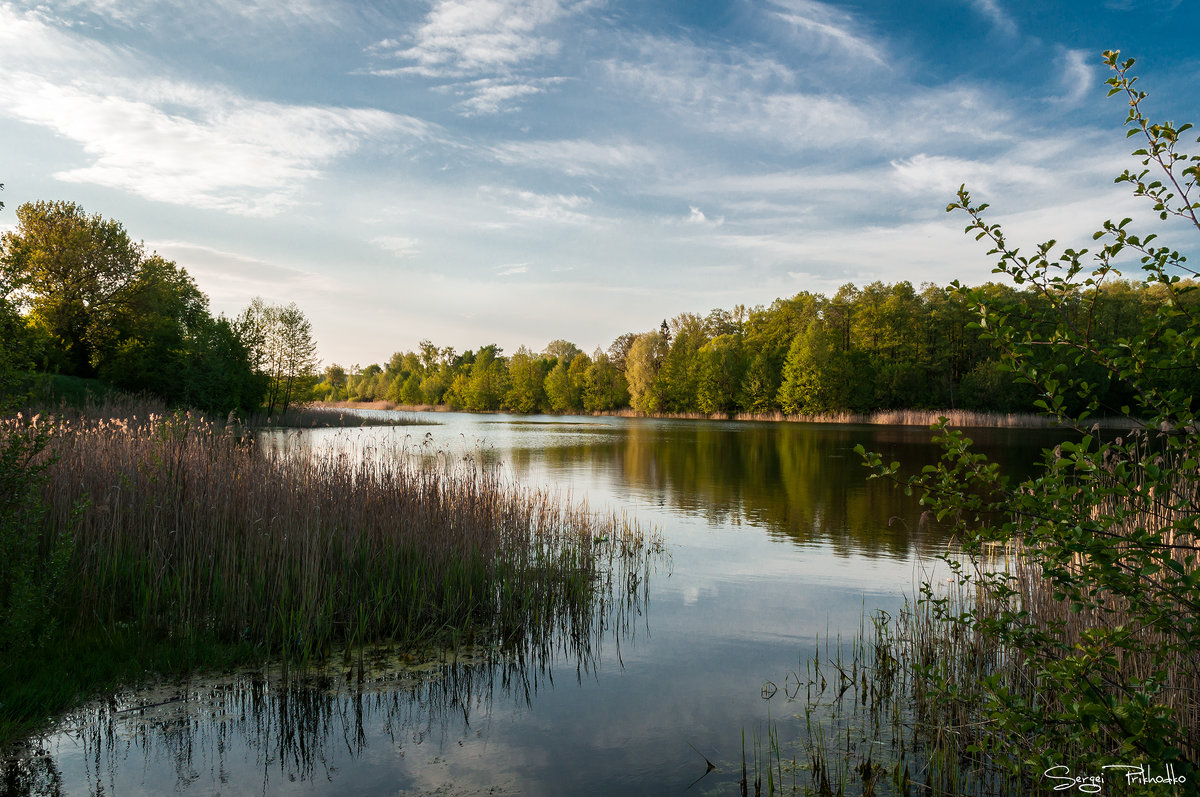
x,y
79,298
880,347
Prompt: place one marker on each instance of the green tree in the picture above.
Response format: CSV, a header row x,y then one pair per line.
x,y
149,341
282,349
577,380
720,366
804,389
525,393
1107,643
72,271
565,384
642,366
561,351
605,387
759,385
679,372
488,381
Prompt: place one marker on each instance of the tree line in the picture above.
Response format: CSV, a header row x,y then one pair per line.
x,y
80,298
879,347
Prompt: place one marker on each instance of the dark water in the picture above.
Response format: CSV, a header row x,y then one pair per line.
x,y
774,539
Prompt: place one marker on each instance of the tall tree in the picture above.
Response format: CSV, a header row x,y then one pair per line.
x,y
524,382
642,366
605,387
71,271
720,367
282,348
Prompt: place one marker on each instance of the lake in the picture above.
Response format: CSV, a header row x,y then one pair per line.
x,y
774,542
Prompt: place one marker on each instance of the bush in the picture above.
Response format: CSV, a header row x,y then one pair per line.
x,y
33,559
1097,627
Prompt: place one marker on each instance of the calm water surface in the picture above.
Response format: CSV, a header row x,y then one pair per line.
x,y
774,539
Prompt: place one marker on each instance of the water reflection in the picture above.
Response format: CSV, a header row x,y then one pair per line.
x,y
800,482
265,731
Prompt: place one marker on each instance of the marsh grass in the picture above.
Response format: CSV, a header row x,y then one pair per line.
x,y
188,531
865,723
960,418
319,417
905,707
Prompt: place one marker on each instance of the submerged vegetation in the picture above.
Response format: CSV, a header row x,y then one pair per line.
x,y
182,530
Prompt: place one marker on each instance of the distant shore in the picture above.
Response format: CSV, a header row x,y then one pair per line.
x,y
965,418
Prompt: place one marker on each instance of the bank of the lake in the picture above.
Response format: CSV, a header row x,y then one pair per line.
x,y
913,417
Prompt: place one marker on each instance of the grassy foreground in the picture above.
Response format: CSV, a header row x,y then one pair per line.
x,y
913,704
181,543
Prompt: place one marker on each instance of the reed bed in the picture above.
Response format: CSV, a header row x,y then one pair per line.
x,y
320,417
925,418
866,724
186,528
908,706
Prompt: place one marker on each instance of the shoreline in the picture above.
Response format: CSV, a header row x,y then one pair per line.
x,y
924,418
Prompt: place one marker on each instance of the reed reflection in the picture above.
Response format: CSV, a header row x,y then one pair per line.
x,y
259,731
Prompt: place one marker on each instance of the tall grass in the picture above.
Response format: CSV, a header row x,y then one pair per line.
x,y
319,417
188,529
960,418
909,704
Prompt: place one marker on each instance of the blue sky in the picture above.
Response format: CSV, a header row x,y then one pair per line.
x,y
515,171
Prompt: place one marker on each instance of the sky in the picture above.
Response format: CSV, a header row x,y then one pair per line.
x,y
518,171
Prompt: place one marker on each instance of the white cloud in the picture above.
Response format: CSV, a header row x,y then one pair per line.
x,y
829,24
577,157
213,16
531,206
696,217
997,15
173,141
1077,76
510,270
754,100
941,175
465,37
481,46
397,245
490,96
231,278
735,94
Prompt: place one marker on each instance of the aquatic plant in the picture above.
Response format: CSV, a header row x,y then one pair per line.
x,y
185,530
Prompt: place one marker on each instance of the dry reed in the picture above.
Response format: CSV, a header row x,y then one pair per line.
x,y
925,418
187,528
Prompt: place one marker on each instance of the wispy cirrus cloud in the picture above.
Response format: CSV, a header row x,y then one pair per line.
x,y
578,157
535,207
482,48
214,15
492,95
174,141
398,245
1077,75
745,97
995,13
230,278
826,24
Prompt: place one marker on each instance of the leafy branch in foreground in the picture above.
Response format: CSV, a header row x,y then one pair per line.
x,y
1098,620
